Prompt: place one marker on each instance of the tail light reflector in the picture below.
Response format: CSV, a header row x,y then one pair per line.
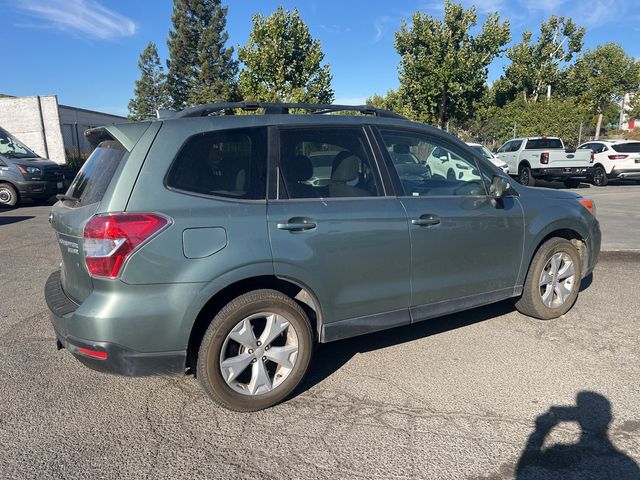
x,y
617,157
93,353
110,239
544,158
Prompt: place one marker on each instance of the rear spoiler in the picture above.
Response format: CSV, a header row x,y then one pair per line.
x,y
127,134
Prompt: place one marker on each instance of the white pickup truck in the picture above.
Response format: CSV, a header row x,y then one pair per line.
x,y
546,158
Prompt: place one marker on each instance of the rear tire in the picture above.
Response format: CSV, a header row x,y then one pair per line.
x,y
553,281
525,177
8,195
255,352
599,176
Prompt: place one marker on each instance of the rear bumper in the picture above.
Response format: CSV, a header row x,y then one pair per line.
x,y
625,173
563,172
119,360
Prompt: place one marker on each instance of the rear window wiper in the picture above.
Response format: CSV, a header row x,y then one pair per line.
x,y
64,197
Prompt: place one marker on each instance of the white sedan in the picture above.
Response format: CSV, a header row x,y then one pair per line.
x,y
614,159
486,153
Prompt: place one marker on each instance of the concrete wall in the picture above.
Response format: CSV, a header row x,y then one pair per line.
x,y
51,130
35,122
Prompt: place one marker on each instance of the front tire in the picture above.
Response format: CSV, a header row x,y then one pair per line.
x,y
8,195
553,281
255,352
525,177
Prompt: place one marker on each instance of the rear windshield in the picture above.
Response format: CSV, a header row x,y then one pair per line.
x,y
539,143
95,175
631,147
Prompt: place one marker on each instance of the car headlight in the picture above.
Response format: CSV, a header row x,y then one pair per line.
x,y
463,166
26,169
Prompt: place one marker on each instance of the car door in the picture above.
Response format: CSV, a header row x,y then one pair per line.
x,y
346,241
466,247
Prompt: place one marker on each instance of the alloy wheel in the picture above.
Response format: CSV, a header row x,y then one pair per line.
x,y
557,280
259,353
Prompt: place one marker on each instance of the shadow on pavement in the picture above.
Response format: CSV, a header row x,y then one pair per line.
x,y
14,219
329,357
592,457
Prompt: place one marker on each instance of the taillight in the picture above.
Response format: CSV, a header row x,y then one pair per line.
x,y
544,158
617,157
110,239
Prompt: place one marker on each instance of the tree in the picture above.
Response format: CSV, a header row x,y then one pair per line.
x,y
282,61
150,91
634,106
534,66
201,67
602,76
443,69
391,101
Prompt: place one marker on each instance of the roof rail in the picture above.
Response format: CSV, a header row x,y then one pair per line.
x,y
276,108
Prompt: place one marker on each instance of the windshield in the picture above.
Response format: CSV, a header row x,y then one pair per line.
x,y
12,148
484,151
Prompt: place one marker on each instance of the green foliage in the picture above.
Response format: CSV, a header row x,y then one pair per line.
x,y
282,61
535,65
150,91
391,101
201,67
443,68
602,76
634,107
556,117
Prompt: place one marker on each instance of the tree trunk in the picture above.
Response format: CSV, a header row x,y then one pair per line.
x,y
441,110
599,125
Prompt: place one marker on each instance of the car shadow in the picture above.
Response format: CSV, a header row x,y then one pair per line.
x,y
592,456
14,219
330,357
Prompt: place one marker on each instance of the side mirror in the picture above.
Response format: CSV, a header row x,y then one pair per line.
x,y
444,158
499,186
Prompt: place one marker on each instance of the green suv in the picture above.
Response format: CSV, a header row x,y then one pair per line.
x,y
229,245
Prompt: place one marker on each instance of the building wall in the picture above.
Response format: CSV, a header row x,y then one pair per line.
x,y
35,122
51,130
74,121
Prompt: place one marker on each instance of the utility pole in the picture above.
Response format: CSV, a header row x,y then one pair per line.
x,y
514,130
580,134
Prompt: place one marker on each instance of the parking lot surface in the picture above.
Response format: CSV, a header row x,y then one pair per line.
x,y
475,395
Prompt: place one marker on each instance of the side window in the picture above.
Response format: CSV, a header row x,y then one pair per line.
x,y
515,145
599,147
229,163
505,147
326,162
439,171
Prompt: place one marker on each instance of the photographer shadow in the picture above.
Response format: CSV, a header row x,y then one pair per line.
x,y
593,456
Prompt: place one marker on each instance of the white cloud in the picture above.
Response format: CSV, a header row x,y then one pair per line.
x,y
381,25
87,18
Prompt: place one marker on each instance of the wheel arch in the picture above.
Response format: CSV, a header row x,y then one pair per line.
x,y
525,163
568,233
294,289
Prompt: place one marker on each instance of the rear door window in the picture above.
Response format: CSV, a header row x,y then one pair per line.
x,y
515,145
96,174
228,163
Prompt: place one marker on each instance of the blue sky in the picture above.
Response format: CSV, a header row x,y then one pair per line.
x,y
86,51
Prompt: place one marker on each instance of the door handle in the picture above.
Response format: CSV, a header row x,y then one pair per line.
x,y
426,220
297,225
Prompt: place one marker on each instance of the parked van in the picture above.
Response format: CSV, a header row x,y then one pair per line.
x,y
24,174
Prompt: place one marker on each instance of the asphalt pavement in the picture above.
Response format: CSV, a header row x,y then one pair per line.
x,y
485,394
